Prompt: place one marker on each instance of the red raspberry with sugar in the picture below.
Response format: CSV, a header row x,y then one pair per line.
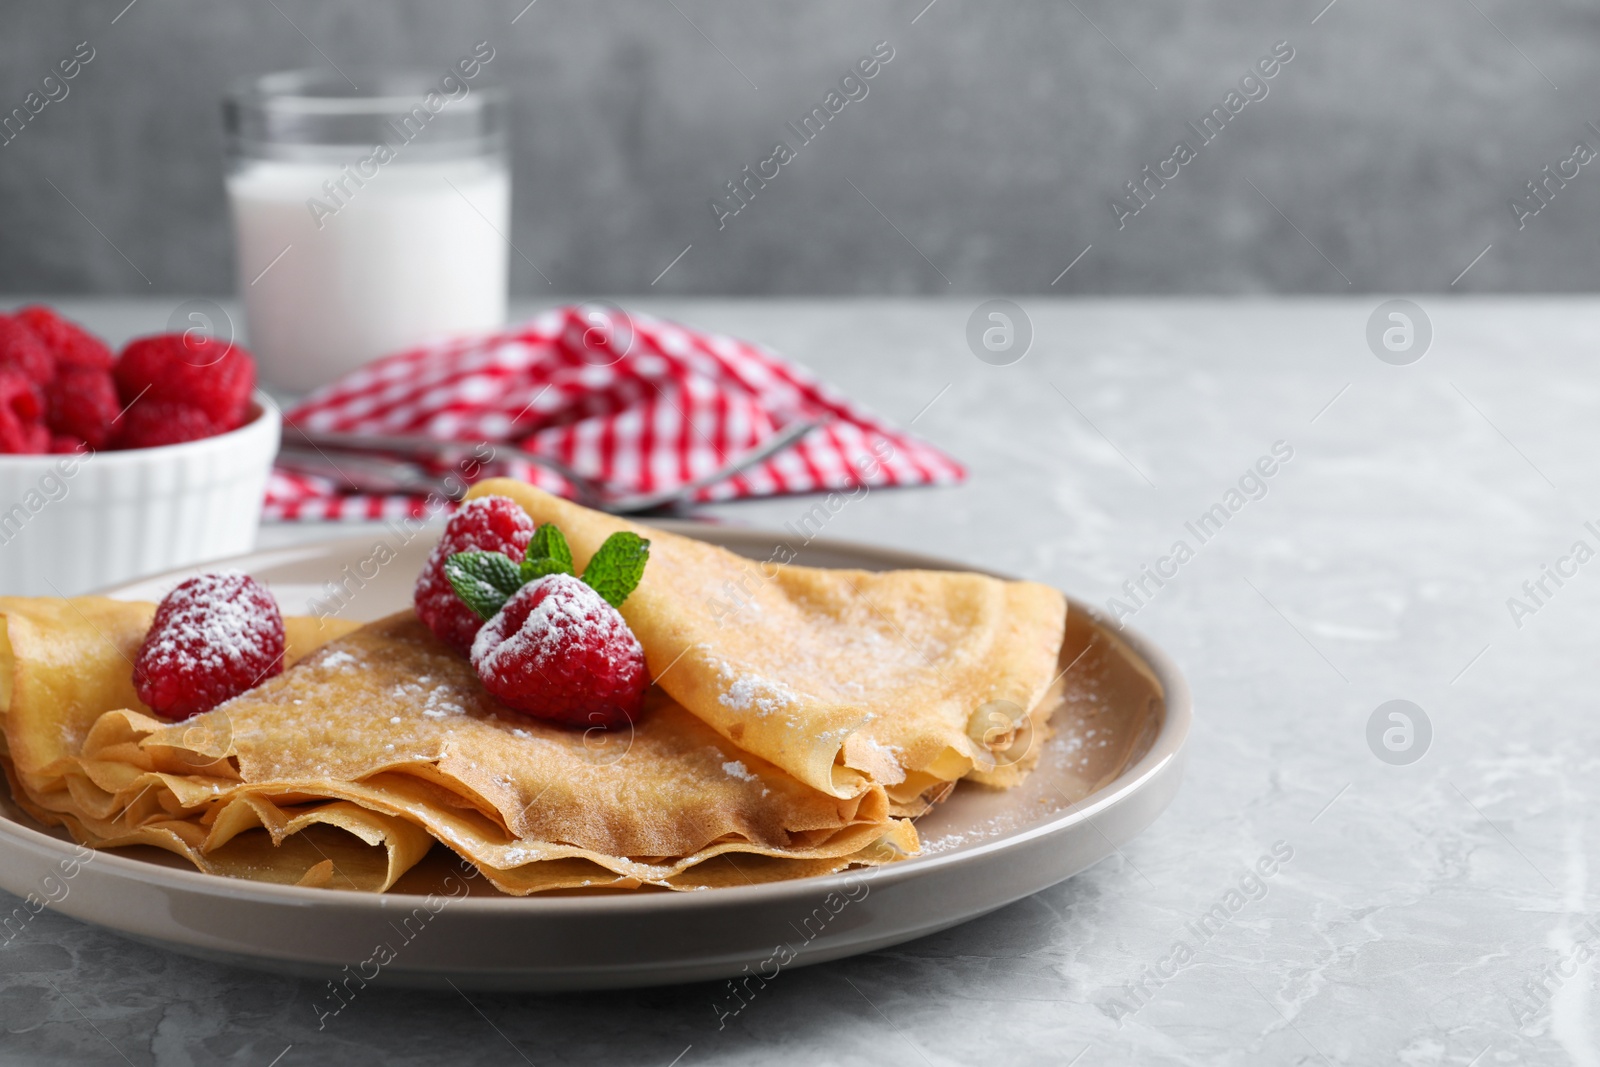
x,y
22,351
213,637
558,651
487,524
214,377
83,403
71,344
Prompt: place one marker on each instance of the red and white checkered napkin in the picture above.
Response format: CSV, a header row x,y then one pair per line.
x,y
634,402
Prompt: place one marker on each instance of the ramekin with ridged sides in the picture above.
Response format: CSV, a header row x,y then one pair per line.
x,y
73,523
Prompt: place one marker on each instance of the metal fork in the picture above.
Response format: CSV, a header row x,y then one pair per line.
x,y
359,460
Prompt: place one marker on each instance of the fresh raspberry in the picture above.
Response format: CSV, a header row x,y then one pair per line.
x,y
213,637
71,344
83,403
196,370
487,524
21,409
37,436
21,396
153,423
558,651
19,437
62,444
21,350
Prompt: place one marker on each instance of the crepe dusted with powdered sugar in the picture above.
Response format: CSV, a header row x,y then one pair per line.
x,y
345,769
790,739
849,680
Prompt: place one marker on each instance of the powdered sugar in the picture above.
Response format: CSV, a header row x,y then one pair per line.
x,y
567,611
207,618
892,753
213,637
737,769
750,691
437,702
557,650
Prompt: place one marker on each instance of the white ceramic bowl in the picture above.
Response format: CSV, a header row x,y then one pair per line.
x,y
69,524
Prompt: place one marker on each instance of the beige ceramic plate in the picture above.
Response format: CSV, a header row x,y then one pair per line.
x,y
1111,768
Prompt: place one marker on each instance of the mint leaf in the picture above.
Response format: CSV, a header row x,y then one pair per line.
x,y
614,571
549,543
483,580
534,569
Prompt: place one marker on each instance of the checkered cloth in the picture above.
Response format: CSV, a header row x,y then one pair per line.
x,y
636,403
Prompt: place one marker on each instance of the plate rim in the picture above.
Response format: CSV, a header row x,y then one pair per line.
x,y
1167,746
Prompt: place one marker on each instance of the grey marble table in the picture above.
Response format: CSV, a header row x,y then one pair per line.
x,y
1432,901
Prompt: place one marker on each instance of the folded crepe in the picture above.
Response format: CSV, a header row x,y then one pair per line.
x,y
786,735
376,742
65,662
851,681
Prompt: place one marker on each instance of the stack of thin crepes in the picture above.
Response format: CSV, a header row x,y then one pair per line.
x,y
794,730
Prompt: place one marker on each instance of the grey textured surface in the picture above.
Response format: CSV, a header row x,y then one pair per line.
x,y
1421,902
994,141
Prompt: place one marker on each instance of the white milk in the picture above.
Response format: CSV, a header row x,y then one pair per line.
x,y
416,252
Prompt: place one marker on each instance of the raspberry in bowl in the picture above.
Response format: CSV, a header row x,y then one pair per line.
x,y
111,466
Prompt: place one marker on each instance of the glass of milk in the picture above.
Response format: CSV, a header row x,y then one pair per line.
x,y
368,219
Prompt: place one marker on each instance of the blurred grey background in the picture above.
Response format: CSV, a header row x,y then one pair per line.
x,y
985,157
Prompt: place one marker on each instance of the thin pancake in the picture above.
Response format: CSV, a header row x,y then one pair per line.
x,y
849,680
65,662
388,736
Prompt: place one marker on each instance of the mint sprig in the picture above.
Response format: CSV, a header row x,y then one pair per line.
x,y
534,569
614,571
486,580
548,553
483,580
